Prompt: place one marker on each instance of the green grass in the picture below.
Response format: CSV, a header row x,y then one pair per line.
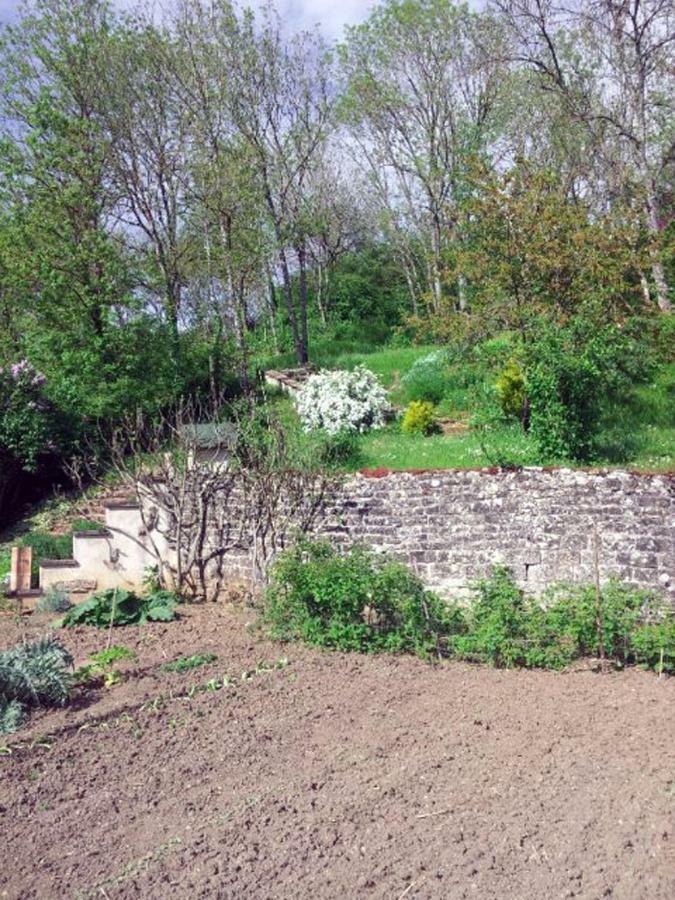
x,y
642,429
653,449
388,363
638,435
186,663
508,445
392,450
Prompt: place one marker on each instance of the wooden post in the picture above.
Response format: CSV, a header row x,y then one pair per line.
x,y
20,574
599,619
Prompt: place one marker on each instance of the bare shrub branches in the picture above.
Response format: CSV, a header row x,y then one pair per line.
x,y
215,496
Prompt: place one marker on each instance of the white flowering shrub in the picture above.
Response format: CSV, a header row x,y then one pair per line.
x,y
342,401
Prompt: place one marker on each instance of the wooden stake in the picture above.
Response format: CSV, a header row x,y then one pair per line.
x,y
598,597
20,573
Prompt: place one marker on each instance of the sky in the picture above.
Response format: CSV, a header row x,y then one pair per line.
x,y
332,15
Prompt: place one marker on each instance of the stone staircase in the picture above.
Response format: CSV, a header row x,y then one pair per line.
x,y
115,556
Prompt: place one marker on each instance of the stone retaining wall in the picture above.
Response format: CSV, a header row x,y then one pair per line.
x,y
451,526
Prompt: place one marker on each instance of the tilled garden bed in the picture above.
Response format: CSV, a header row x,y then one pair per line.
x,y
281,772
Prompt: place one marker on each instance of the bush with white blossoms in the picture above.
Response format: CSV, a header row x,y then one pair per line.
x,y
342,401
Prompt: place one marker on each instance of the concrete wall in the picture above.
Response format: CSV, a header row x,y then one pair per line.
x,y
116,556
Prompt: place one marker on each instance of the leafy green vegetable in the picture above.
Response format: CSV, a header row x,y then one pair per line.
x,y
102,665
31,674
118,607
186,663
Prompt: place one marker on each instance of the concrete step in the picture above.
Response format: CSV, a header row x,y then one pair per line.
x,y
59,564
93,549
130,539
113,558
118,555
58,573
124,518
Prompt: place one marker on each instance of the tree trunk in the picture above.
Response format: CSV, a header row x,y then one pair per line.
x,y
461,292
436,289
320,281
303,355
272,307
658,271
172,302
240,337
290,306
644,287
238,300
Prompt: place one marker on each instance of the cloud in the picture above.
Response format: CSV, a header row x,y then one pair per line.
x,y
8,10
331,15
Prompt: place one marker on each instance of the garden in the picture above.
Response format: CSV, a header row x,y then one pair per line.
x,y
463,410
377,769
243,265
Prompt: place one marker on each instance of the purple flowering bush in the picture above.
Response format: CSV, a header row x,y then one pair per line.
x,y
25,416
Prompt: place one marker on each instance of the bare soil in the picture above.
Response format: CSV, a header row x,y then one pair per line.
x,y
337,776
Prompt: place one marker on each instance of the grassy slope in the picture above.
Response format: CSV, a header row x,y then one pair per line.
x,y
388,363
648,423
393,450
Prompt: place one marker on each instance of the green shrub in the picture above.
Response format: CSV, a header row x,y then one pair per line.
x,y
510,389
654,646
53,601
27,417
427,378
419,418
120,607
357,600
506,628
496,623
337,449
567,627
572,372
494,353
32,674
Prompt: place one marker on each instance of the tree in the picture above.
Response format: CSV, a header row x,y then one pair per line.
x,y
423,90
281,105
68,278
146,129
54,156
610,67
532,253
338,223
228,215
